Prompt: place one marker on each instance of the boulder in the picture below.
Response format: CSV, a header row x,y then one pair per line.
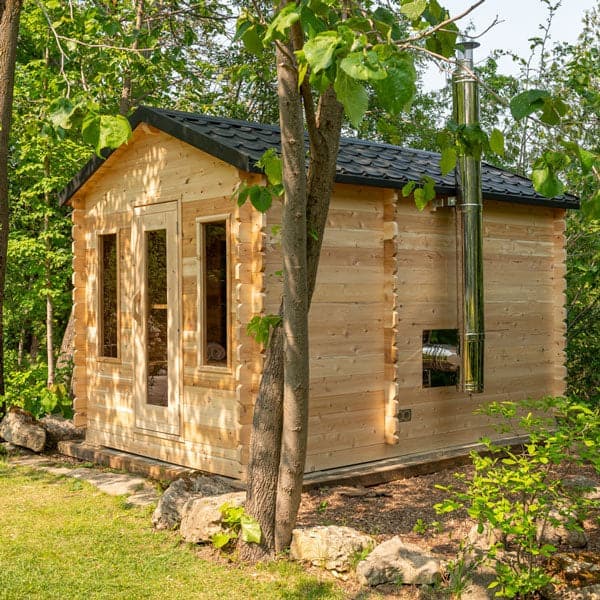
x,y
201,516
21,429
395,561
330,547
170,506
58,429
583,486
559,533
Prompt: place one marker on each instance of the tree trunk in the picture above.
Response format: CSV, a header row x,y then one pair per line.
x,y
10,11
295,300
47,274
262,479
265,449
126,90
21,347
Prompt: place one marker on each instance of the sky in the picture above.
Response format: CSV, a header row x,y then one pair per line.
x,y
519,22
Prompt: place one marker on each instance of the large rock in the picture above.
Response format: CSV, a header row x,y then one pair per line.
x,y
170,506
567,530
579,575
201,517
21,429
582,486
58,429
331,547
395,561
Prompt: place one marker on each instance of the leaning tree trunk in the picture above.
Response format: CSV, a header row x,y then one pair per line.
x,y
295,300
10,11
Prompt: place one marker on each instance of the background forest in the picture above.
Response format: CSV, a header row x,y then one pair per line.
x,y
106,58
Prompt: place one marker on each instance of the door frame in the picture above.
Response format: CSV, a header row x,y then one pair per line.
x,y
160,420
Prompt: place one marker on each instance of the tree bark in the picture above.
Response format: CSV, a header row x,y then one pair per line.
x,y
265,450
127,89
295,299
48,282
324,127
10,11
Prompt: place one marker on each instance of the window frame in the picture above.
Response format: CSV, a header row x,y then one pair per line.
x,y
203,365
99,295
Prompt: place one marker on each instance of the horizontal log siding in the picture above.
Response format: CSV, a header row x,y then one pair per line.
x,y
153,168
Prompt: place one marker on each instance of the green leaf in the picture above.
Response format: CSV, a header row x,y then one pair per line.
x,y
408,188
355,66
311,24
105,131
250,529
319,50
420,201
526,103
284,19
261,198
61,111
587,159
242,194
252,39
413,10
259,327
353,96
448,160
497,142
221,539
397,90
271,163
546,182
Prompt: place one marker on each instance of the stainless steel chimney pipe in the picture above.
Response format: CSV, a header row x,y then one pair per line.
x,y
469,230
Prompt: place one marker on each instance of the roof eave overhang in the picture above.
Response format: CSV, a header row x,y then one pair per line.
x,y
445,190
170,127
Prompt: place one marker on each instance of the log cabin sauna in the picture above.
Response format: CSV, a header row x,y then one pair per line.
x,y
169,270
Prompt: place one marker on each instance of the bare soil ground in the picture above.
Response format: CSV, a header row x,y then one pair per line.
x,y
395,508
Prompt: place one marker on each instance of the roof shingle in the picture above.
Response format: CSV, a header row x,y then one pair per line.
x,y
359,161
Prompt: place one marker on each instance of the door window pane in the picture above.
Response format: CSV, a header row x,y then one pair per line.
x,y
108,313
214,236
156,318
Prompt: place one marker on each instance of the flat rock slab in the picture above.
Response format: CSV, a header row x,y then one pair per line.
x,y
113,484
140,492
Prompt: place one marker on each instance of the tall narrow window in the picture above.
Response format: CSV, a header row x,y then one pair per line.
x,y
157,327
108,309
214,293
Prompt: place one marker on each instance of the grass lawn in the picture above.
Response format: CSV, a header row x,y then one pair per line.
x,y
61,538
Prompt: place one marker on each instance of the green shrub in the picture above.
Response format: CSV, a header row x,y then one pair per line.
x,y
27,389
515,493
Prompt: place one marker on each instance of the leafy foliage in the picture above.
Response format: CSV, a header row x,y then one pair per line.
x,y
517,494
237,523
260,327
27,389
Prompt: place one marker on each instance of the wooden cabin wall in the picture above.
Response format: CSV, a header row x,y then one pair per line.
x,y
524,316
347,387
155,168
387,273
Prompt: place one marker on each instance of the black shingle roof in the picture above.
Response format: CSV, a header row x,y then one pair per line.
x,y
359,162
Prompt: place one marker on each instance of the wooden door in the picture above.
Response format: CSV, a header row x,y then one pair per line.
x,y
156,327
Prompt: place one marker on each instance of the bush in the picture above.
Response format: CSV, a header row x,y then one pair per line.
x,y
518,494
27,389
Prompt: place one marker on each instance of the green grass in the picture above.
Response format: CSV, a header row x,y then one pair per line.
x,y
61,538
